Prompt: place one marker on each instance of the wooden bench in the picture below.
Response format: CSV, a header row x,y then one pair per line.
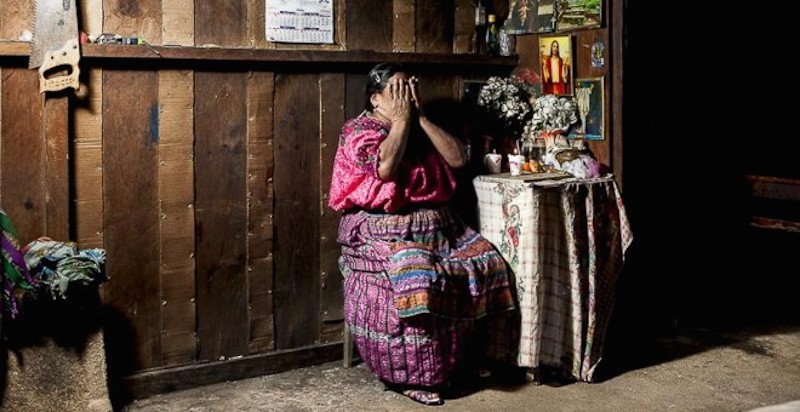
x,y
775,203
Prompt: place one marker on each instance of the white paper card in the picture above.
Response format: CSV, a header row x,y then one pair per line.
x,y
299,21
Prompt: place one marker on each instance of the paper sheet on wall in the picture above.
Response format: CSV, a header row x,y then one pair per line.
x,y
299,21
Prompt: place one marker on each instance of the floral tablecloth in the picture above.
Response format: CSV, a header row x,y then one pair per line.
x,y
565,239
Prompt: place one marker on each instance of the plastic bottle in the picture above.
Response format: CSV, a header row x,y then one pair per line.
x,y
492,41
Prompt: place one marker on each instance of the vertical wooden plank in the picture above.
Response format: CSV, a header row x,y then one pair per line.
x,y
256,23
369,25
260,165
584,40
297,276
91,17
221,215
463,26
434,26
404,36
340,26
332,92
614,48
88,161
438,87
24,149
130,207
56,171
15,16
2,76
221,23
355,88
176,194
440,95
527,46
178,18
141,18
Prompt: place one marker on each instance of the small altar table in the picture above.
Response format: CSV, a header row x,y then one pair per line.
x,y
565,240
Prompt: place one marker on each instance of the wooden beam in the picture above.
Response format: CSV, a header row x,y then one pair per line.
x,y
88,162
332,94
57,176
177,231
146,384
23,151
616,50
131,217
297,222
221,200
260,208
369,25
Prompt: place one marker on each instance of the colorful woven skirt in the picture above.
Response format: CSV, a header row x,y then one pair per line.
x,y
415,285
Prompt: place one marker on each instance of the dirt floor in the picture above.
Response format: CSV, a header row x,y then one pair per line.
x,y
694,370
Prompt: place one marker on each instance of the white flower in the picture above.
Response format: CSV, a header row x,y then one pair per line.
x,y
552,113
508,99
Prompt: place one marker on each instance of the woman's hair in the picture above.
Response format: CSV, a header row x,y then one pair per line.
x,y
377,78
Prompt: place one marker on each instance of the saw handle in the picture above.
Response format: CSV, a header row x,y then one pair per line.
x,y
50,77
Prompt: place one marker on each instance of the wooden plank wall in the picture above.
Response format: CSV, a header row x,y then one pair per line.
x,y
207,183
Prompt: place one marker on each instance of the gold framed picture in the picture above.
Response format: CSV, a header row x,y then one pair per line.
x,y
555,57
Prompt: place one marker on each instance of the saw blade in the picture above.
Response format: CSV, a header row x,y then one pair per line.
x,y
56,24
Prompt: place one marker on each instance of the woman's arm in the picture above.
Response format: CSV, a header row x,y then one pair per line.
x,y
397,108
392,149
451,149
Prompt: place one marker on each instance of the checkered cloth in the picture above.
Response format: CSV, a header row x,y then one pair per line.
x,y
565,240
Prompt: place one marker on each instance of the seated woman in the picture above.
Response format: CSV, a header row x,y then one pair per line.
x,y
417,279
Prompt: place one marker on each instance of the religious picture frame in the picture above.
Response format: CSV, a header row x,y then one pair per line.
x,y
579,14
556,61
590,99
531,16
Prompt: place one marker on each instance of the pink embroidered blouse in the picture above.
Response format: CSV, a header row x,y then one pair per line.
x,y
422,177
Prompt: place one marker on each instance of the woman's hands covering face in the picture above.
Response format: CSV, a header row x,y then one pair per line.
x,y
396,102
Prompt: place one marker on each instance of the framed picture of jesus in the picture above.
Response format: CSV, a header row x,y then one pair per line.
x,y
555,56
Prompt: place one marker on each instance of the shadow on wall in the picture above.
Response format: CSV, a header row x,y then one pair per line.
x,y
465,120
55,355
459,119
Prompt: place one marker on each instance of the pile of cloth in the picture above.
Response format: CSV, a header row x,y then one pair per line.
x,y
44,265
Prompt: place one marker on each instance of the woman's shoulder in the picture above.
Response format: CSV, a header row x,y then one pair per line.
x,y
360,123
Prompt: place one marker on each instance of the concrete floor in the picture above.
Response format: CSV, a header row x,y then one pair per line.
x,y
695,370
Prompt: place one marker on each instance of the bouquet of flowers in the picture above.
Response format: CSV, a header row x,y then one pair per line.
x,y
551,114
510,99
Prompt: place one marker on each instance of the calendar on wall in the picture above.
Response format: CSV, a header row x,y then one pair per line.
x,y
299,21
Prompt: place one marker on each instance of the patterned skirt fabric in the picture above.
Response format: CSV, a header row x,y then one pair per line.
x,y
415,285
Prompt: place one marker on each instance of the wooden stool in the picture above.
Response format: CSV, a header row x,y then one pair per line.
x,y
347,347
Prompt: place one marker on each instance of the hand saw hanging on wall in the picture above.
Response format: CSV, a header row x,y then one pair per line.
x,y
55,48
